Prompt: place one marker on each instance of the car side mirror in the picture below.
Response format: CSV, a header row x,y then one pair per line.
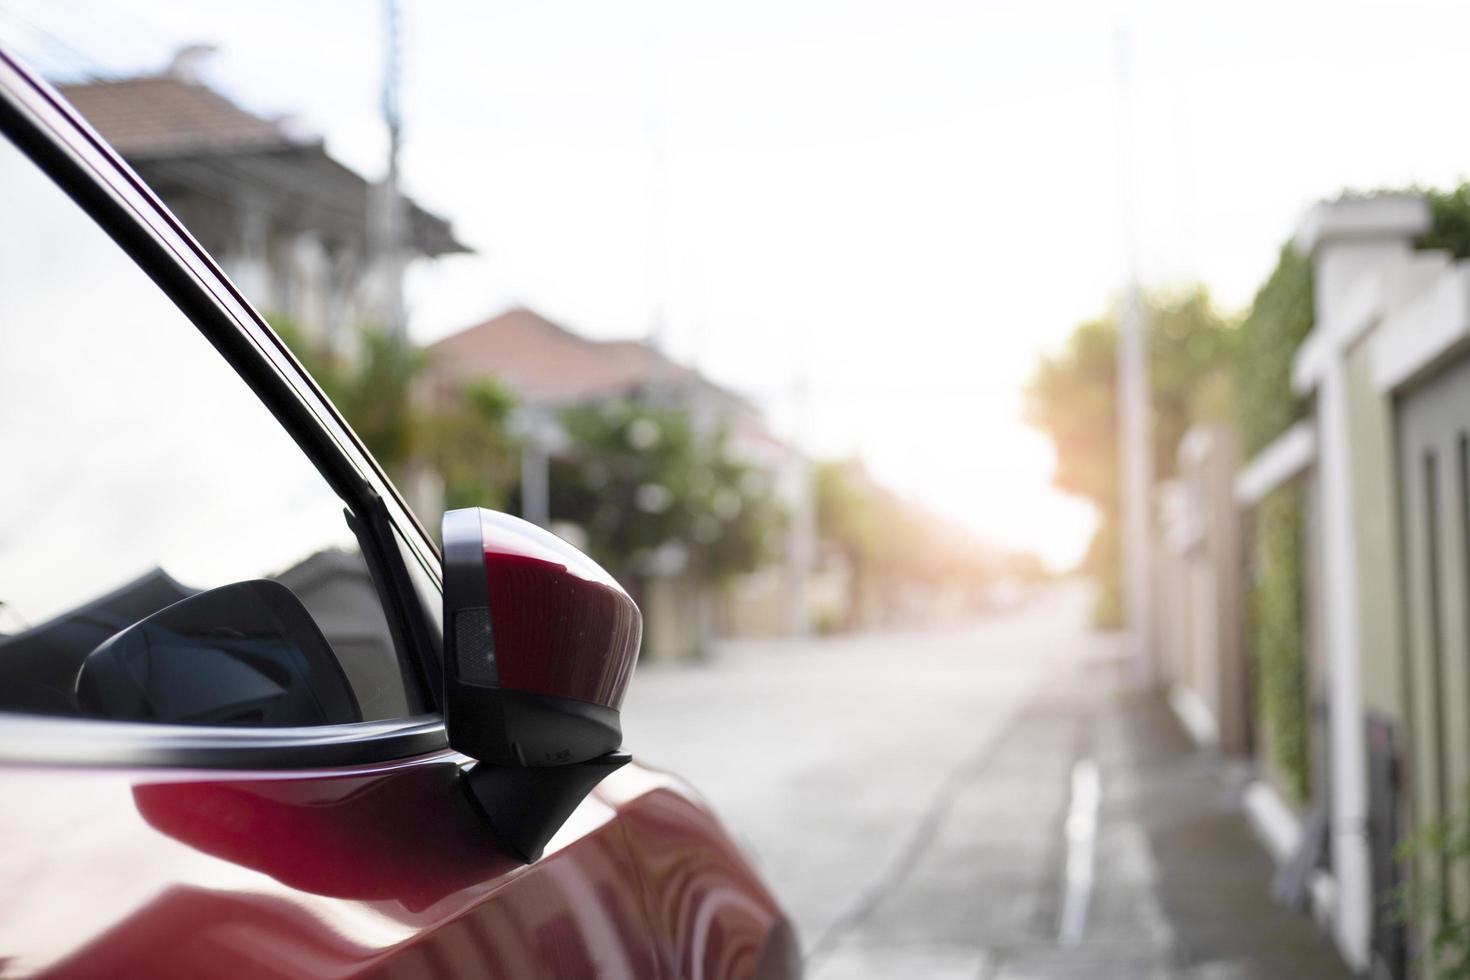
x,y
247,653
539,645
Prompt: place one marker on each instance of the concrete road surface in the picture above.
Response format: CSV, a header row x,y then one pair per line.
x,y
950,803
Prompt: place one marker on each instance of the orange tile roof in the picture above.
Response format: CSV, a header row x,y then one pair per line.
x,y
542,361
162,115
173,129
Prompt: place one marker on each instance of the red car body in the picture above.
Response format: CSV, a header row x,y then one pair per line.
x,y
137,850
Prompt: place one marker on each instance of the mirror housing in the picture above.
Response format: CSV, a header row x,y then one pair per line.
x,y
539,644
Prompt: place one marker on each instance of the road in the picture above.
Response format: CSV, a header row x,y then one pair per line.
x,y
906,794
986,803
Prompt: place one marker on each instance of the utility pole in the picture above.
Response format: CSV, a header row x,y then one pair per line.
x,y
1135,456
801,534
656,249
389,219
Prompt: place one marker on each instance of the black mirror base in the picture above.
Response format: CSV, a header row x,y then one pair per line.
x,y
527,806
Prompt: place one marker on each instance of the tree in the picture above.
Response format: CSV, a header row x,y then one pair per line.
x,y
854,517
466,438
472,448
655,495
375,394
891,544
373,391
1073,398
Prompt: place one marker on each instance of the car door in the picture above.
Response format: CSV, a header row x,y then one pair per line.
x,y
220,748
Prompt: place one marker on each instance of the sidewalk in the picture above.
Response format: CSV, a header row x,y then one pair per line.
x,y
1022,872
1182,884
1212,876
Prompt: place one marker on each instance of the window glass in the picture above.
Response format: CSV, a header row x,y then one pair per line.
x,y
137,470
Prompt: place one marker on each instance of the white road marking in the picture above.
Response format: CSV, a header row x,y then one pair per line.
x,y
1081,833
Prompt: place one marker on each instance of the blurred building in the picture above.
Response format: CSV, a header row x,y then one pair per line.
x,y
1381,461
295,229
550,368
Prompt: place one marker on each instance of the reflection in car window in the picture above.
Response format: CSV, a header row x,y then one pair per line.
x,y
137,470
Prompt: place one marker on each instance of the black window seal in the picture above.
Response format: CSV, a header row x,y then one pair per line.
x,y
46,130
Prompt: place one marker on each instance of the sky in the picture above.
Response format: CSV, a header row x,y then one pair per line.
x,y
872,218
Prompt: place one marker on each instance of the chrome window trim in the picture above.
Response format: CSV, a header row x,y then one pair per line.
x,y
52,741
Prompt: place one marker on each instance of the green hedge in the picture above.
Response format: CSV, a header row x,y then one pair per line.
x,y
1277,629
1279,320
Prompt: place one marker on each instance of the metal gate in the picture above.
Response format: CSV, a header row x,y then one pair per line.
x,y
1434,485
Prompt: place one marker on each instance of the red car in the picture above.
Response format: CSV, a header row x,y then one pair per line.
x,y
251,722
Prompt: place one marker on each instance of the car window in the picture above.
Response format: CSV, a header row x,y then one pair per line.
x,y
167,551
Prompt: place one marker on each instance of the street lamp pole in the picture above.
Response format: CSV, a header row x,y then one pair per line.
x,y
1135,458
